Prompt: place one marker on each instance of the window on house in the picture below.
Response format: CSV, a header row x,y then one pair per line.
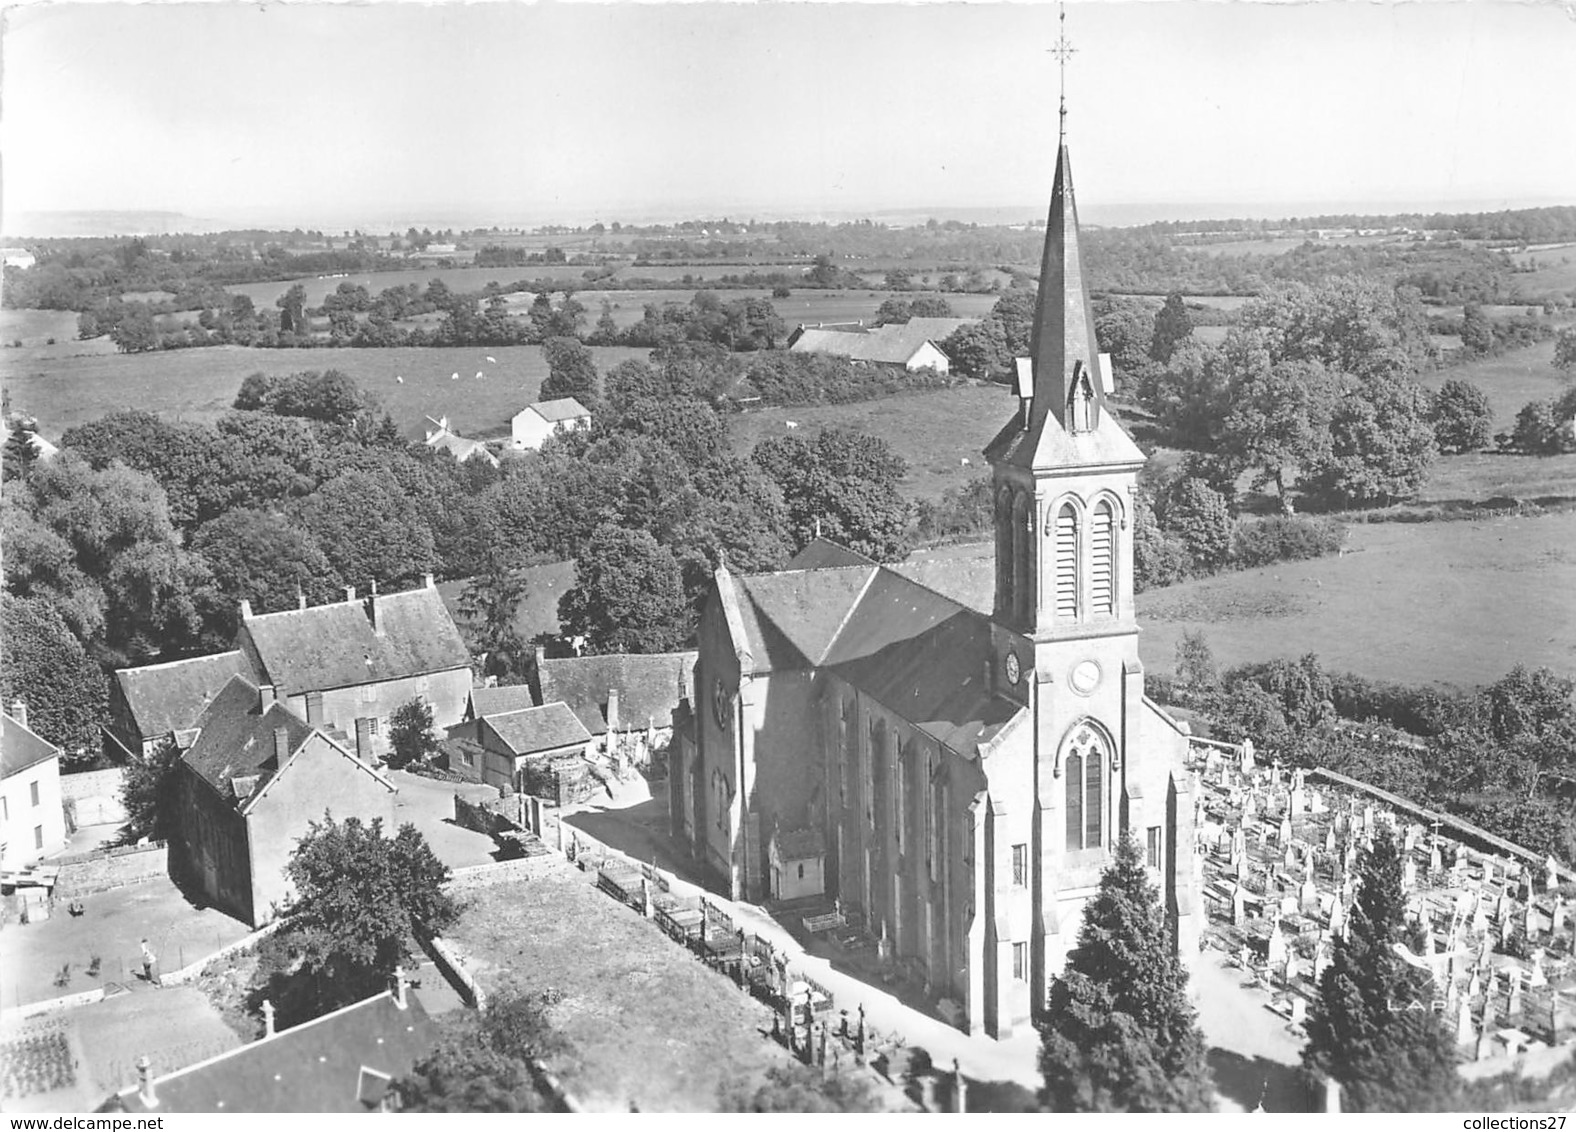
x,y
33,787
1084,770
899,790
1153,840
369,693
38,837
1102,560
1020,962
801,872
1066,536
1020,865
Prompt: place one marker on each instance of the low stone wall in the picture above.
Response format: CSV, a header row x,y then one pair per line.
x,y
93,796
87,873
505,872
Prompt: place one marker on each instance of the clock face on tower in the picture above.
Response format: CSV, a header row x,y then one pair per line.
x,y
1014,670
721,703
1085,677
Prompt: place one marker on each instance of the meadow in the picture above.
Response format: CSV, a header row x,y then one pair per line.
x,y
200,385
806,306
1510,379
35,328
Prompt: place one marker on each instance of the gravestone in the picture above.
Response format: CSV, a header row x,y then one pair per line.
x,y
1474,985
1408,875
1276,948
1485,1043
1299,1010
1531,927
1537,978
1551,873
1464,1031
1435,862
1308,897
1329,840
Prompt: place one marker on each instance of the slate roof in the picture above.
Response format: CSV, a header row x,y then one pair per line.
x,y
534,730
314,1067
497,701
919,653
560,409
893,343
968,580
462,447
236,740
20,748
820,553
334,646
169,697
1049,445
649,687
800,844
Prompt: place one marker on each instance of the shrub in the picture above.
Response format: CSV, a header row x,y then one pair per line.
x,y
1284,538
1418,710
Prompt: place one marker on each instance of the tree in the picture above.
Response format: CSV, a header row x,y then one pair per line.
x,y
369,528
1280,410
1197,514
480,1062
1119,1034
19,454
44,665
1195,663
488,605
978,350
411,735
359,897
798,1088
1371,1029
292,311
628,595
1463,418
1477,330
1565,348
147,791
1159,557
1381,444
843,485
1538,431
571,372
1173,325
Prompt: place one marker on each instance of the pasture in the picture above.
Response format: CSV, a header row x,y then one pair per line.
x,y
35,328
1510,380
1456,603
933,431
806,306
456,278
201,384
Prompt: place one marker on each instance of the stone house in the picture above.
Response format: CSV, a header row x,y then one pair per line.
x,y
532,425
498,748
153,702
625,700
32,819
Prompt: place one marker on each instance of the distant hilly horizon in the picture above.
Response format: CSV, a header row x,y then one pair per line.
x,y
132,222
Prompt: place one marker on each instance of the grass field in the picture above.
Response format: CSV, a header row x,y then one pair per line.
x,y
1510,380
1555,270
648,1024
201,384
1485,475
934,432
807,306
34,328
1446,603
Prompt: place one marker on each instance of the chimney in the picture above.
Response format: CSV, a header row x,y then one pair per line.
x,y
364,740
378,628
612,709
399,986
300,599
281,744
374,587
427,582
246,609
145,1092
314,708
266,698
268,1019
350,593
19,711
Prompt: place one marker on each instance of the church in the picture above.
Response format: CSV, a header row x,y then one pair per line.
x,y
955,778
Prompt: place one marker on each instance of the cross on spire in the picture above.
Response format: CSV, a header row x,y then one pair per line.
x,y
1063,50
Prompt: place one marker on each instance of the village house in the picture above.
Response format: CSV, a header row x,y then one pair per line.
x,y
533,424
460,447
497,748
158,701
914,344
625,700
248,788
32,819
347,665
344,1061
968,773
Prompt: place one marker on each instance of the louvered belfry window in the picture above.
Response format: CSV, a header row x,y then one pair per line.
x,y
1066,563
1102,561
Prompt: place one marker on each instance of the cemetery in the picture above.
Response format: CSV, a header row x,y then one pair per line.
x,y
1493,926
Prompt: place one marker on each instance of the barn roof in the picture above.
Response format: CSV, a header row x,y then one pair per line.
x,y
169,697
336,645
497,701
20,748
534,730
894,343
649,686
560,409
235,736
341,1062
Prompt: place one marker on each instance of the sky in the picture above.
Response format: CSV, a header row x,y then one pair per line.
x,y
378,115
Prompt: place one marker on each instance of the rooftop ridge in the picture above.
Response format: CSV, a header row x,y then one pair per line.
x,y
162,664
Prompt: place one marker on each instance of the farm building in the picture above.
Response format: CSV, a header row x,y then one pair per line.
x,y
341,1062
532,425
968,772
32,820
495,748
913,344
254,778
460,447
154,702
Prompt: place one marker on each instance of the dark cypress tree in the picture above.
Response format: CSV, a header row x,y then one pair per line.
x,y
1119,1034
1372,1029
1173,325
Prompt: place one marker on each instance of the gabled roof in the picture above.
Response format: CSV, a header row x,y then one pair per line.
x,y
1049,445
235,738
915,651
649,687
170,697
535,730
335,645
820,553
894,343
560,409
969,580
496,701
314,1067
462,447
20,748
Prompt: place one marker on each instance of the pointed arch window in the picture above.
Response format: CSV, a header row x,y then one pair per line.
x,y
1066,557
1102,560
1022,566
1084,770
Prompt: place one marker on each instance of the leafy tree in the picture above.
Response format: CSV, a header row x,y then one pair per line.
x,y
44,665
628,595
1565,348
488,605
1119,1034
266,559
1538,430
978,350
292,311
1195,663
369,529
411,734
1159,557
1360,327
1280,411
1477,330
147,791
359,897
1173,325
571,372
1014,313
1463,418
1124,330
844,484
1381,444
1189,394
1197,514
798,1088
19,454
481,1062
1371,1028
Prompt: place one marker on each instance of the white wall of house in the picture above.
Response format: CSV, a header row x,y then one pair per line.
x,y
445,691
530,429
928,355
32,821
